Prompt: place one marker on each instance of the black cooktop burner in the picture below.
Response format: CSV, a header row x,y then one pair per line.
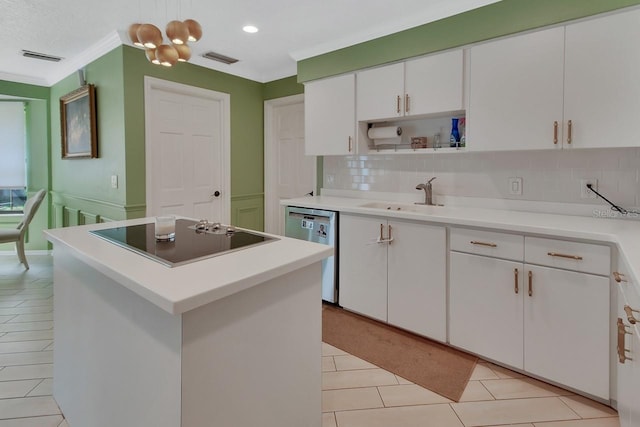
x,y
189,245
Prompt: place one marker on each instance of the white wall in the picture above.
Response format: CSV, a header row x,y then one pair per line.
x,y
549,175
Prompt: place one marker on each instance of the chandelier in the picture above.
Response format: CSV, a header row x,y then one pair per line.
x,y
179,33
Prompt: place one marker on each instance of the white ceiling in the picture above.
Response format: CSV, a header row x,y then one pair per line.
x,y
82,30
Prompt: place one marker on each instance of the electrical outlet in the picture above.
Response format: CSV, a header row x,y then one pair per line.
x,y
114,181
515,185
585,193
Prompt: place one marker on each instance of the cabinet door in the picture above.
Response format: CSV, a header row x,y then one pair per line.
x,y
485,309
417,278
363,266
434,84
380,93
516,92
626,396
566,328
329,116
602,94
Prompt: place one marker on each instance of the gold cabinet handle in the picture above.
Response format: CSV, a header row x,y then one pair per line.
x,y
390,238
622,352
350,141
381,232
398,104
515,274
406,103
530,283
569,131
618,277
491,245
555,254
555,133
630,317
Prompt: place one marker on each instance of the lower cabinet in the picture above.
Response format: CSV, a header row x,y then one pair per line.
x,y
394,271
547,321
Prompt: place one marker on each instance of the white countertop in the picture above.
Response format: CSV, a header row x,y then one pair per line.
x,y
183,288
623,234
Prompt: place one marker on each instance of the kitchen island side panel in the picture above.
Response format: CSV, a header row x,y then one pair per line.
x,y
254,358
116,355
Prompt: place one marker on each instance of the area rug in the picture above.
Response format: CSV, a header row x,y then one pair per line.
x,y
427,363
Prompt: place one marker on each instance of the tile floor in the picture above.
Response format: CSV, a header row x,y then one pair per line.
x,y
355,393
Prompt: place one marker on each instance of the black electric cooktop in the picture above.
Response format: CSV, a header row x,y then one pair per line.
x,y
188,246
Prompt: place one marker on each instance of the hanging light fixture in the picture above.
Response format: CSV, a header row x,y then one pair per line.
x,y
179,34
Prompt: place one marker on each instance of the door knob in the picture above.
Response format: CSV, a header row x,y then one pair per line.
x,y
216,194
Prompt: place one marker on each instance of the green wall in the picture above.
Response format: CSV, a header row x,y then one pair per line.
x,y
494,20
283,87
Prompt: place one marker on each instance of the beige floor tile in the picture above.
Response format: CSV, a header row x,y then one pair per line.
x,y
10,389
22,346
503,372
64,423
26,372
8,304
405,416
328,419
27,336
46,421
483,372
349,362
351,398
25,310
587,408
26,326
45,388
600,422
404,395
475,392
39,317
30,358
328,365
4,319
354,379
38,303
28,407
513,425
329,350
513,411
403,380
518,388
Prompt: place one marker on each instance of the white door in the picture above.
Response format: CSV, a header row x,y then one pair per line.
x,y
289,172
187,151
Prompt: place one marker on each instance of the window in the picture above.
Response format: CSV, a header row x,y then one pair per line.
x,y
13,159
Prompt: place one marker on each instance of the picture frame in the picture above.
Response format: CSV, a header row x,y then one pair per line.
x,y
78,123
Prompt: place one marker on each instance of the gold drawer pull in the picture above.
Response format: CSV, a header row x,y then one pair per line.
x,y
618,277
398,104
576,257
555,133
570,131
406,103
350,144
630,317
515,274
491,245
622,352
530,283
390,238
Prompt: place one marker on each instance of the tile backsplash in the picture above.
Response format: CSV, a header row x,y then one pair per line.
x,y
548,175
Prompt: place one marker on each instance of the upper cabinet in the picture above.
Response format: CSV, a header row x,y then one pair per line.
x,y
429,85
329,116
572,86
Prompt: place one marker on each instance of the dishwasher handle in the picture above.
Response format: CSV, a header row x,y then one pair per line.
x,y
320,218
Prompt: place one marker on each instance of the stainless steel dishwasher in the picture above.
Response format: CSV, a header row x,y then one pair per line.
x,y
320,226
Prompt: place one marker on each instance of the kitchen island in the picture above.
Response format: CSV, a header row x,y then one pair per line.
x,y
231,340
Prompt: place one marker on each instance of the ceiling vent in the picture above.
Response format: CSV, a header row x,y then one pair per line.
x,y
219,57
43,56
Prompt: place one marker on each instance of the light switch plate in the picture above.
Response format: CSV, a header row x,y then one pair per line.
x,y
114,181
515,185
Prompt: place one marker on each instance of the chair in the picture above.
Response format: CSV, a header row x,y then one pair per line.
x,y
17,234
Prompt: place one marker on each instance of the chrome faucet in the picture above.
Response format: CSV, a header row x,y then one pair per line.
x,y
428,192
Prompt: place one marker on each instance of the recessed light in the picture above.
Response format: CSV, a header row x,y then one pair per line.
x,y
250,29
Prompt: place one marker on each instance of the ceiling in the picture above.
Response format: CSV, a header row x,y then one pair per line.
x,y
81,31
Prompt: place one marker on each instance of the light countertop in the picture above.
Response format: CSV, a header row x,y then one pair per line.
x,y
185,287
623,234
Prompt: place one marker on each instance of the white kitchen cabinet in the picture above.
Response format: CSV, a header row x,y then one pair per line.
x,y
428,85
329,116
394,271
486,307
573,86
601,91
566,328
516,92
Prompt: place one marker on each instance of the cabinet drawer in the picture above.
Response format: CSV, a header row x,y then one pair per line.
x,y
490,243
584,257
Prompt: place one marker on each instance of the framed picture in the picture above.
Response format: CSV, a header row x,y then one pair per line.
x,y
78,123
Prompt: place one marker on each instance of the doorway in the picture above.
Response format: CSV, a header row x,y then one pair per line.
x,y
187,151
288,171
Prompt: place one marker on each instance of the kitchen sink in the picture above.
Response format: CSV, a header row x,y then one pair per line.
x,y
401,207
